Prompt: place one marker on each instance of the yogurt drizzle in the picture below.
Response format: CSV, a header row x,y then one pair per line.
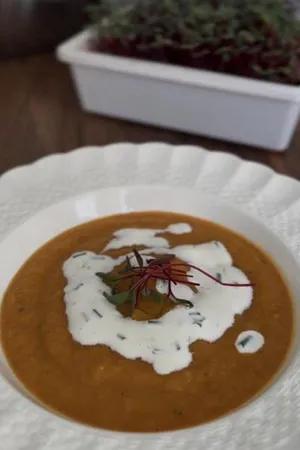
x,y
164,342
249,341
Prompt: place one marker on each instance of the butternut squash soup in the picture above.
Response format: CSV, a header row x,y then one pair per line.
x,y
146,322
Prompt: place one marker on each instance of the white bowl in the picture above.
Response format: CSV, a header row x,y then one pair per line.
x,y
273,421
24,240
228,107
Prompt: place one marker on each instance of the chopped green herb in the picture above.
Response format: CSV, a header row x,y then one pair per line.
x,y
245,341
78,254
97,313
121,336
119,298
138,257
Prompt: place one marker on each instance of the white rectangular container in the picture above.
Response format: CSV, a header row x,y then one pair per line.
x,y
228,107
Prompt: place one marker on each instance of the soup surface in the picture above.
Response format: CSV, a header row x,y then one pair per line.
x,y
98,386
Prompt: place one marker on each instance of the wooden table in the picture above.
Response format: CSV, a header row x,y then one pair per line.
x,y
40,115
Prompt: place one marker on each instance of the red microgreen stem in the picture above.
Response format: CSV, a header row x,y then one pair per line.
x,y
163,269
214,278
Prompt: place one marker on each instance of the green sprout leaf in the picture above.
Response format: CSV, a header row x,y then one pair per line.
x,y
232,36
156,296
108,279
138,257
120,298
183,302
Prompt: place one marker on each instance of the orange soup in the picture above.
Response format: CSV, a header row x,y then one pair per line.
x,y
203,364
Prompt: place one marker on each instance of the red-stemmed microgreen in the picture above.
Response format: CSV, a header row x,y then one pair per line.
x,y
165,268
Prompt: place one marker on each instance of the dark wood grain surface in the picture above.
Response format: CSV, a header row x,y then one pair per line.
x,y
40,115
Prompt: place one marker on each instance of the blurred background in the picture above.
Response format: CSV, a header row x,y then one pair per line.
x,y
28,26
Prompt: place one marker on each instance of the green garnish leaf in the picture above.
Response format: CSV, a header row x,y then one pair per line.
x,y
131,297
106,277
119,298
157,296
184,302
138,257
128,262
127,267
